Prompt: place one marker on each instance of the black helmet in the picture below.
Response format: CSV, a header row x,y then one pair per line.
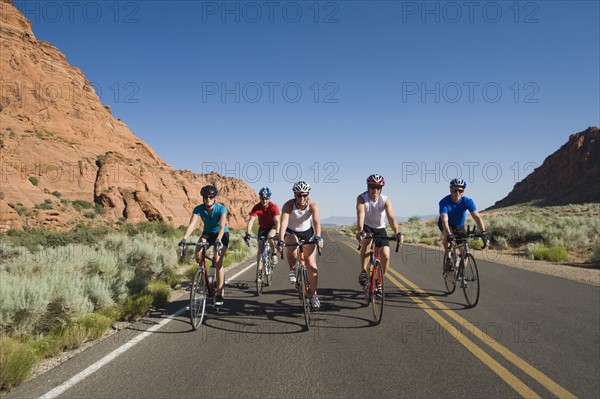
x,y
209,190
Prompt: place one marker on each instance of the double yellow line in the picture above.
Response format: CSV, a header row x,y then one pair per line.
x,y
519,386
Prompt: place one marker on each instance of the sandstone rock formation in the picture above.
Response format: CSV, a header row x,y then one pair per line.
x,y
59,144
569,176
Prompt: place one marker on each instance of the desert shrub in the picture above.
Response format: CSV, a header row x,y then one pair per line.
x,y
476,244
595,255
33,180
501,242
136,306
160,291
426,240
552,254
16,362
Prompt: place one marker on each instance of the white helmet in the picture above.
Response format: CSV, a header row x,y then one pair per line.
x,y
301,187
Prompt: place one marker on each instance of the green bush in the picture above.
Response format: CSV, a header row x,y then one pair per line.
x,y
552,254
34,180
501,242
81,204
595,256
95,324
16,362
426,240
476,244
136,306
160,291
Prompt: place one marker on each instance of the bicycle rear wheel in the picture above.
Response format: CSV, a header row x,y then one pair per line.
x,y
470,282
304,295
197,299
378,293
449,279
260,276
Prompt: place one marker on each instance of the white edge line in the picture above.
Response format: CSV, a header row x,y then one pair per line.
x,y
122,349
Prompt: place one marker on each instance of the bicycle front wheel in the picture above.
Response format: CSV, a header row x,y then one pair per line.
x,y
304,295
470,281
260,276
449,279
268,272
377,293
197,299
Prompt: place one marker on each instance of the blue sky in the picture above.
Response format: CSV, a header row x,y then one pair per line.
x,y
333,91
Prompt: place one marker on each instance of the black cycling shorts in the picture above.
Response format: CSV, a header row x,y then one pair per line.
x,y
305,236
458,231
379,243
212,237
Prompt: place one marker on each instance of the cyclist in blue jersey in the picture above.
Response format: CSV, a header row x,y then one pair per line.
x,y
214,231
453,213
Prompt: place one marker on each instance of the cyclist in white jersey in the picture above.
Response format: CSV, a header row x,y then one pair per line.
x,y
300,220
372,211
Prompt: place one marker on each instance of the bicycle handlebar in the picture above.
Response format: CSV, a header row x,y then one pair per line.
x,y
201,244
389,238
299,244
261,238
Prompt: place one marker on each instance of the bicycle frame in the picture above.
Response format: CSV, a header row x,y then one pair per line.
x,y
266,275
464,268
201,288
302,281
376,274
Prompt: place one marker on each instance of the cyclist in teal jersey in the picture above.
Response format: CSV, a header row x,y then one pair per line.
x,y
214,231
453,213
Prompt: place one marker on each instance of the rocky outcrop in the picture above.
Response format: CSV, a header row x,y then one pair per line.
x,y
569,176
59,144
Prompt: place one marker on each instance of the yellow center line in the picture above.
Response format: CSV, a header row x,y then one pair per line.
x,y
512,380
549,384
519,386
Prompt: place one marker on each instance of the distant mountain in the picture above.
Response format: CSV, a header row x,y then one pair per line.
x,y
351,220
571,175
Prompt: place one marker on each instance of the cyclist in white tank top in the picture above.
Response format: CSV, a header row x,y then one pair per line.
x,y
300,220
372,211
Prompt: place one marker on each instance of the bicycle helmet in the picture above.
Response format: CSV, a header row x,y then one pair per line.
x,y
264,192
458,182
376,180
209,190
301,187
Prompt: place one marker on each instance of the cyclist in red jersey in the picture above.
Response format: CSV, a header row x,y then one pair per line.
x,y
269,219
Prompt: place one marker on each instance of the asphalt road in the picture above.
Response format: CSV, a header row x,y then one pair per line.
x,y
531,335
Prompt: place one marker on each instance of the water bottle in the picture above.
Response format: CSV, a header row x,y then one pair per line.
x,y
211,275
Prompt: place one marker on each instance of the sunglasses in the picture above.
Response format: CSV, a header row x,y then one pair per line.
x,y
208,196
302,195
372,187
457,191
265,198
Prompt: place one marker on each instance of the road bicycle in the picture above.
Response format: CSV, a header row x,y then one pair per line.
x,y
302,281
202,286
374,288
264,264
464,268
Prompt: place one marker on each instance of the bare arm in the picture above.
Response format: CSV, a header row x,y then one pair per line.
x,y
191,226
250,224
445,225
222,224
389,210
285,218
478,220
314,208
277,219
360,216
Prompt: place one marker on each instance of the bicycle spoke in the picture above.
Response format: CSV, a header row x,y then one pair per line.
x,y
259,278
470,283
305,297
449,277
377,297
197,299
